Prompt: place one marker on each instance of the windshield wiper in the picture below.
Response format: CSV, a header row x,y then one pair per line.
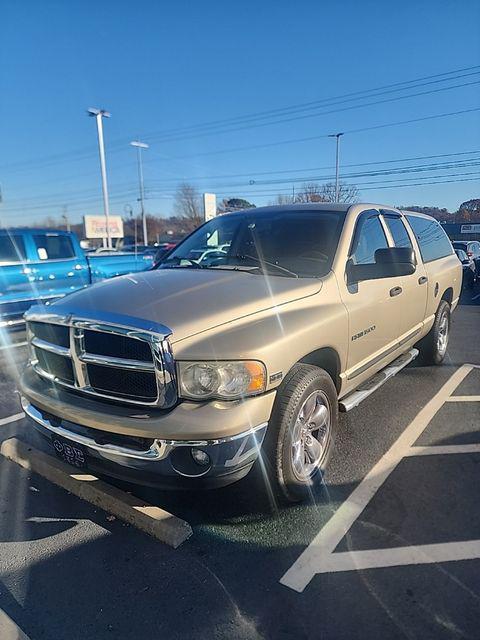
x,y
262,262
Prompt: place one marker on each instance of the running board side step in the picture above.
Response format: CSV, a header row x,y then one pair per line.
x,y
372,384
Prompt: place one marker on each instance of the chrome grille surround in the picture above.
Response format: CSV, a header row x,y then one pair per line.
x,y
162,365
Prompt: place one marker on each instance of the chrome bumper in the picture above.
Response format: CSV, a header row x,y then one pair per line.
x,y
168,458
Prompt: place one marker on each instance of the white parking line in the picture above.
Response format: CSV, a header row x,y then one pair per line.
x,y
319,556
401,556
13,345
463,399
9,630
14,418
436,450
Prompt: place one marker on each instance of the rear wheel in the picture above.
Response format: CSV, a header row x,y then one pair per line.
x,y
434,346
301,431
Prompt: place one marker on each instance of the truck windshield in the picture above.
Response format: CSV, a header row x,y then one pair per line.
x,y
289,243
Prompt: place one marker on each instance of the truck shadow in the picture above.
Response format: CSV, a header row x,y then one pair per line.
x,y
113,581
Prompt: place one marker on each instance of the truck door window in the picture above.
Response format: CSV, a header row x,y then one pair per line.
x,y
369,236
399,232
432,239
12,248
54,247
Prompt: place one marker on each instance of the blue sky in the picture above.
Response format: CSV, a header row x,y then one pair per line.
x,y
160,66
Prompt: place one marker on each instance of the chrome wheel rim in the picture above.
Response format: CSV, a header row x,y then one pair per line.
x,y
311,433
442,340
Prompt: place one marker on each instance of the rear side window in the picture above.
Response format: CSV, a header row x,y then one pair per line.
x,y
432,239
369,236
475,249
12,248
399,232
53,247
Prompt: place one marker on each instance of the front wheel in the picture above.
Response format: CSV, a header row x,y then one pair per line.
x,y
301,431
433,347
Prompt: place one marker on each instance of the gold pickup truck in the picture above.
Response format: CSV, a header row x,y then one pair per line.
x,y
243,344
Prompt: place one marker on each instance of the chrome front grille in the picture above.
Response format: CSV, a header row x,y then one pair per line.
x,y
114,362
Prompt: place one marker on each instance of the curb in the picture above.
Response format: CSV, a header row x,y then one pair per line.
x,y
152,520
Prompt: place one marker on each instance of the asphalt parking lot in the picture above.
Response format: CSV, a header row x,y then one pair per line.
x,y
389,548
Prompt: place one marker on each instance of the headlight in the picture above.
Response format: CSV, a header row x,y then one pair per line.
x,y
227,380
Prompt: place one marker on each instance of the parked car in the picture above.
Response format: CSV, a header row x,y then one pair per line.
x,y
139,248
468,267
472,249
206,256
39,265
184,375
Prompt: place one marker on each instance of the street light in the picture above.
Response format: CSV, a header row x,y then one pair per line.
x,y
141,145
337,161
98,114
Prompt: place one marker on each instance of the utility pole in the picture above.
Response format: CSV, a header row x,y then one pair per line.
x,y
141,145
98,114
337,161
65,217
128,209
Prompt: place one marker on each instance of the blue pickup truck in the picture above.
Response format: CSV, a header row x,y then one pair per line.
x,y
38,265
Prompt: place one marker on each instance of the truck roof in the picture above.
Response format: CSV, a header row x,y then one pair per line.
x,y
327,206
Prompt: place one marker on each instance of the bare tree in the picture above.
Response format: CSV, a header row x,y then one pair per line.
x,y
314,192
310,192
346,192
188,204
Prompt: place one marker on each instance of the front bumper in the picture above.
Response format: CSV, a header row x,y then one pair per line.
x,y
160,463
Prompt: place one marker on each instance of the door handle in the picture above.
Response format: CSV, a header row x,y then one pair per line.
x,y
396,291
422,280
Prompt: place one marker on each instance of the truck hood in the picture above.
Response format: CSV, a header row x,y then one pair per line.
x,y
187,301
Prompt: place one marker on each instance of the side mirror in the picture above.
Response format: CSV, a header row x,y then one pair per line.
x,y
467,261
389,263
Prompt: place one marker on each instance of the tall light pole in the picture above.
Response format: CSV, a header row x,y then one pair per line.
x,y
337,161
140,146
98,114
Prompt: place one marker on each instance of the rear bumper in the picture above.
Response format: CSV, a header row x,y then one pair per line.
x,y
159,463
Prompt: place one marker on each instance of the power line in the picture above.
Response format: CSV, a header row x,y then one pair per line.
x,y
418,168
325,135
251,174
393,186
365,93
87,152
91,195
307,116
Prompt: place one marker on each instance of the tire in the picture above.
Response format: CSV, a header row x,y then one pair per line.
x,y
434,346
295,453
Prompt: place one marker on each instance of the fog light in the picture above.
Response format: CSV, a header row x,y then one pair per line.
x,y
201,457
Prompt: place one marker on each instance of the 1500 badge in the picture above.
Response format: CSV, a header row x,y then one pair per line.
x,y
364,332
